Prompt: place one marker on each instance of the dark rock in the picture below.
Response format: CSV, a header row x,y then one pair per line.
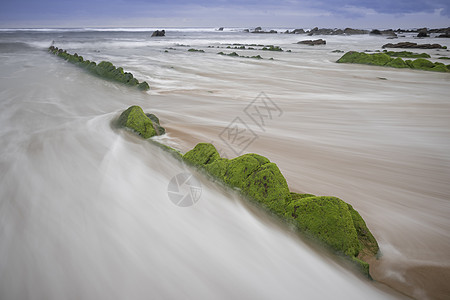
x,y
351,31
375,32
298,31
246,30
159,33
445,35
313,42
258,29
158,128
221,29
413,45
422,33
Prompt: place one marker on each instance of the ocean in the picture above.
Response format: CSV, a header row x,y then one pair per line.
x,y
85,207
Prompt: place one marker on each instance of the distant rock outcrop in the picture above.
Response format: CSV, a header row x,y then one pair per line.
x,y
388,32
159,33
259,30
422,33
414,45
313,42
329,31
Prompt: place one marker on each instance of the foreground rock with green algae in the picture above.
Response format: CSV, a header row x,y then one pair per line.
x,y
383,59
327,219
104,69
134,118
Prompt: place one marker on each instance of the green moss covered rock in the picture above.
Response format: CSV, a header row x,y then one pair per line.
x,y
134,118
383,59
328,219
368,242
267,186
397,63
104,69
406,54
422,64
240,168
217,168
202,154
376,59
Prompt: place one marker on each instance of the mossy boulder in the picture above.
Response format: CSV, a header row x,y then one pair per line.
x,y
422,64
240,168
217,168
376,59
267,186
202,154
440,68
134,118
328,219
397,63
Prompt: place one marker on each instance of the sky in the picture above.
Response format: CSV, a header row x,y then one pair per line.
x,y
367,14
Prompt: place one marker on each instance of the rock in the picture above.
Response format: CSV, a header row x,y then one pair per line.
x,y
240,168
259,30
375,32
351,31
422,33
377,59
220,29
382,59
159,33
135,119
104,69
445,35
413,45
201,155
298,31
328,219
158,128
313,42
406,54
267,186
246,30
397,63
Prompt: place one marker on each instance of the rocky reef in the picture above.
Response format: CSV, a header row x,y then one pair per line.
x,y
313,42
413,45
104,69
383,59
234,54
406,54
328,220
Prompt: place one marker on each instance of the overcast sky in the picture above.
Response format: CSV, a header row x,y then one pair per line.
x,y
226,13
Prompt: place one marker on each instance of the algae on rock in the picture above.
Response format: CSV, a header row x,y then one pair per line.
x,y
134,118
104,69
383,59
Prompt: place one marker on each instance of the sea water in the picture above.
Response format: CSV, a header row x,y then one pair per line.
x,y
85,207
